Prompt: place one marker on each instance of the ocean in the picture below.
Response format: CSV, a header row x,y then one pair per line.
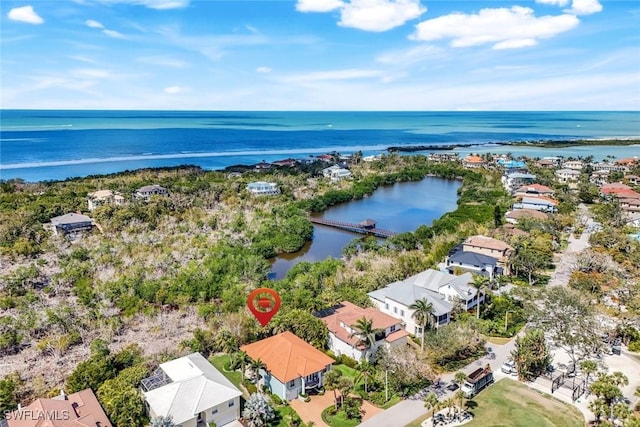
x,y
38,145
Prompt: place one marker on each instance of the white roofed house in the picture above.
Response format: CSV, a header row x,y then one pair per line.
x,y
567,175
514,180
440,289
193,392
336,173
263,188
543,204
104,197
150,190
71,224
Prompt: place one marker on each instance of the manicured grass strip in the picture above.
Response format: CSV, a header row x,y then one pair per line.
x,y
511,404
338,420
221,363
347,371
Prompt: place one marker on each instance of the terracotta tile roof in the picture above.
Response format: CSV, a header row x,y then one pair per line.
x,y
349,313
395,336
287,357
538,188
487,242
80,409
473,159
628,161
614,186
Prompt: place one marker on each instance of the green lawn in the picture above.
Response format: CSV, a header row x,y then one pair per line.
x,y
220,362
511,404
347,371
508,403
338,420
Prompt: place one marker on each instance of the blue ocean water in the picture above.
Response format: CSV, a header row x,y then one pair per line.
x,y
57,144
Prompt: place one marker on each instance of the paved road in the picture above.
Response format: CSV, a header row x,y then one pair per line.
x,y
408,410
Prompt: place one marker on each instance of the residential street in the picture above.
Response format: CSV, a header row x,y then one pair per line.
x,y
408,410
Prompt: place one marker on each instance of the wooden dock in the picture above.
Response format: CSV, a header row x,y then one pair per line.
x,y
365,227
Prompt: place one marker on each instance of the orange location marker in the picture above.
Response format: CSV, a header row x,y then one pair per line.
x,y
264,303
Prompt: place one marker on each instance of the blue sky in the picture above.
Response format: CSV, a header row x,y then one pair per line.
x,y
321,54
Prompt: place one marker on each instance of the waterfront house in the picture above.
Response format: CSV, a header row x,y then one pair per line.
x,y
610,167
262,188
104,197
540,203
514,180
263,166
573,164
567,175
71,224
473,161
336,173
513,217
193,392
372,158
146,192
343,339
80,409
629,161
293,367
440,289
285,163
443,157
328,158
534,190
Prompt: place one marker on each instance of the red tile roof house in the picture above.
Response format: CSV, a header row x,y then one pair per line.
x,y
293,366
342,340
534,190
473,161
80,409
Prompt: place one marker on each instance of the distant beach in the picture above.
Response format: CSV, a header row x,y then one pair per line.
x,y
41,145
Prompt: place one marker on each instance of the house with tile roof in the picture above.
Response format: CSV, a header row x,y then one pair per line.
x,y
340,321
193,392
293,366
567,175
440,289
147,191
573,164
473,161
80,409
534,190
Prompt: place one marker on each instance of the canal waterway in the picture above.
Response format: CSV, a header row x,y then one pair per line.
x,y
400,207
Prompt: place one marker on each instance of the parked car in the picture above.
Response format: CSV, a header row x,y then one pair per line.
x,y
509,367
452,387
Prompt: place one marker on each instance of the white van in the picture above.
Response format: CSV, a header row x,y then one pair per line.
x,y
509,367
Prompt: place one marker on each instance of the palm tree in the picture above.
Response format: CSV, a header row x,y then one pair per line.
x,y
588,367
431,402
366,333
449,403
480,282
460,398
459,378
256,365
242,357
423,314
366,371
331,380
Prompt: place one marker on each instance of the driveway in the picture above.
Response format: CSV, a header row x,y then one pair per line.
x,y
312,410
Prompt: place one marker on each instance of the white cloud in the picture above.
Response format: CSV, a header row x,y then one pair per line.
x,y
560,3
93,24
151,4
173,90
25,14
584,7
505,28
114,34
263,70
90,73
318,5
334,75
367,15
164,61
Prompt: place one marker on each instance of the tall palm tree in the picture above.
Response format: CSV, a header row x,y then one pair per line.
x,y
242,357
460,399
431,402
365,332
331,382
423,314
480,282
256,365
459,378
366,371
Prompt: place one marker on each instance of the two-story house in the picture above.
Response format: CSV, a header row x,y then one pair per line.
x,y
193,392
343,338
147,191
514,180
104,197
442,290
71,224
567,175
293,366
336,173
261,188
